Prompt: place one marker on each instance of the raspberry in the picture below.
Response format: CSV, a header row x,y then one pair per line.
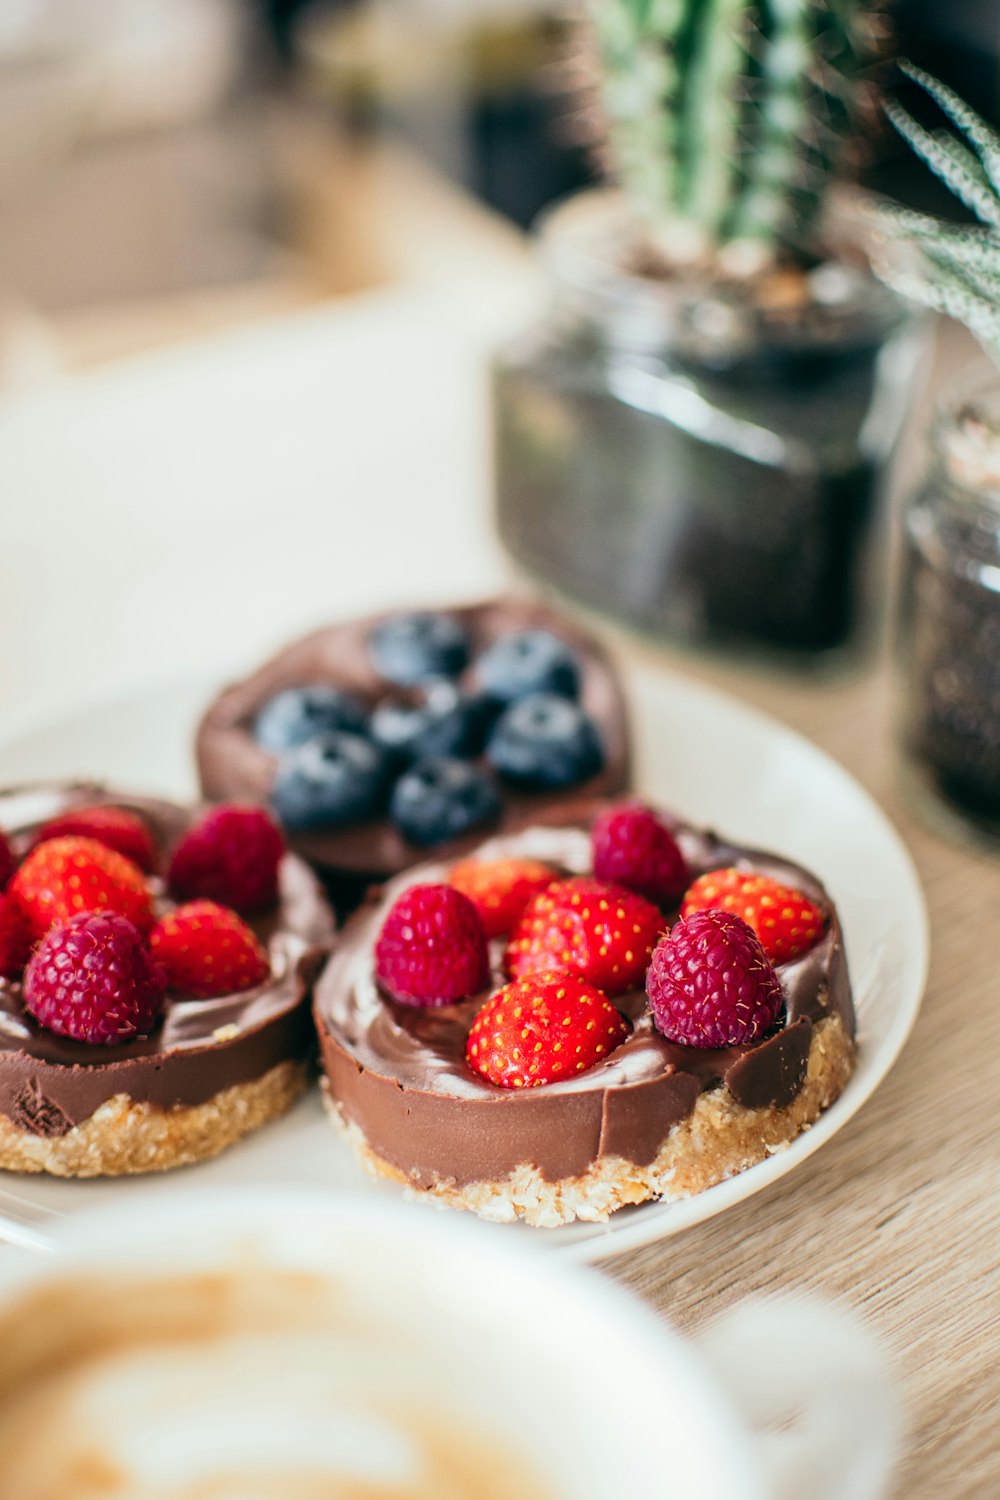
x,y
711,984
633,848
95,980
8,863
231,855
598,931
432,947
785,920
541,1029
114,827
500,889
207,950
65,876
15,939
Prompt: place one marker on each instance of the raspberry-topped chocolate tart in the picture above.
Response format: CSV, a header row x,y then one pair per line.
x,y
586,1015
378,740
156,971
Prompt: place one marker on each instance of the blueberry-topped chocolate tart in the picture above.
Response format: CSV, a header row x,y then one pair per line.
x,y
156,972
583,1015
378,740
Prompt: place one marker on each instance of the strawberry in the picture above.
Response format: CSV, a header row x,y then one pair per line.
x,y
500,889
15,939
541,1029
207,950
786,922
600,932
68,875
114,827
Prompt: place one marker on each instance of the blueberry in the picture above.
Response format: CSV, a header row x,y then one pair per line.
x,y
439,799
528,661
545,741
445,722
407,649
300,713
331,780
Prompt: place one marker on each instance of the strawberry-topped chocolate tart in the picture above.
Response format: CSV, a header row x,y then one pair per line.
x,y
156,971
583,1016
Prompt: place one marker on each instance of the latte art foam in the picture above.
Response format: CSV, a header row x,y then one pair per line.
x,y
241,1384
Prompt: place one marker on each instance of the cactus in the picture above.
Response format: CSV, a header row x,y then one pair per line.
x,y
957,269
725,121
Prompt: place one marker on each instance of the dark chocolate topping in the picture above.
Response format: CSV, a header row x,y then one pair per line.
x,y
233,767
49,1083
399,1072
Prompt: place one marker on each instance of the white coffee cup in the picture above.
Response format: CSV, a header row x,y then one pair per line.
x,y
283,1344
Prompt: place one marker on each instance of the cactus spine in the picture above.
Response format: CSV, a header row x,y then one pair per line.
x,y
726,120
959,266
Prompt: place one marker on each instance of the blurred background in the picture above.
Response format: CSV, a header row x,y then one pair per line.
x,y
170,165
275,244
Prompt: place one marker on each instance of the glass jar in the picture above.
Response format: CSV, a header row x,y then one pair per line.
x,y
698,463
949,643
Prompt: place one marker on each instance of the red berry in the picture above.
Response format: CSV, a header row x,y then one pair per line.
x,y
65,876
15,939
785,920
586,927
500,889
541,1029
8,863
95,980
711,984
114,827
432,947
633,848
207,950
231,855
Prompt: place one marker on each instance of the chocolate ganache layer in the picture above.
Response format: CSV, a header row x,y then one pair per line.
x,y
233,767
399,1073
50,1083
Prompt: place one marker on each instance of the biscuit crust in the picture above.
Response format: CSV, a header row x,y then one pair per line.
x,y
122,1138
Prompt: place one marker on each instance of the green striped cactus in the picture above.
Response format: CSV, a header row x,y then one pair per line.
x,y
726,120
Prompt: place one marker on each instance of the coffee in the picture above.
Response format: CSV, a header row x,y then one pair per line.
x,y
243,1383
274,1344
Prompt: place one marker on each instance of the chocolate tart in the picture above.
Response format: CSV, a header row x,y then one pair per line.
x,y
654,1120
234,768
211,1071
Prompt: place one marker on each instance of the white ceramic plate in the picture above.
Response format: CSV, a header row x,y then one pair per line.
x,y
709,757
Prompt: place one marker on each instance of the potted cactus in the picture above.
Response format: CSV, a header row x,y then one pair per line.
x,y
950,635
696,436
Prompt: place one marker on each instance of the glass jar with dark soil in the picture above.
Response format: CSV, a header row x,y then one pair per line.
x,y
701,459
950,621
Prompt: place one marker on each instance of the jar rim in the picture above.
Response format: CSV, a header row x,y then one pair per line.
x,y
592,245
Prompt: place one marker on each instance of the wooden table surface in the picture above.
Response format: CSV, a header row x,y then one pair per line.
x,y
898,1216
